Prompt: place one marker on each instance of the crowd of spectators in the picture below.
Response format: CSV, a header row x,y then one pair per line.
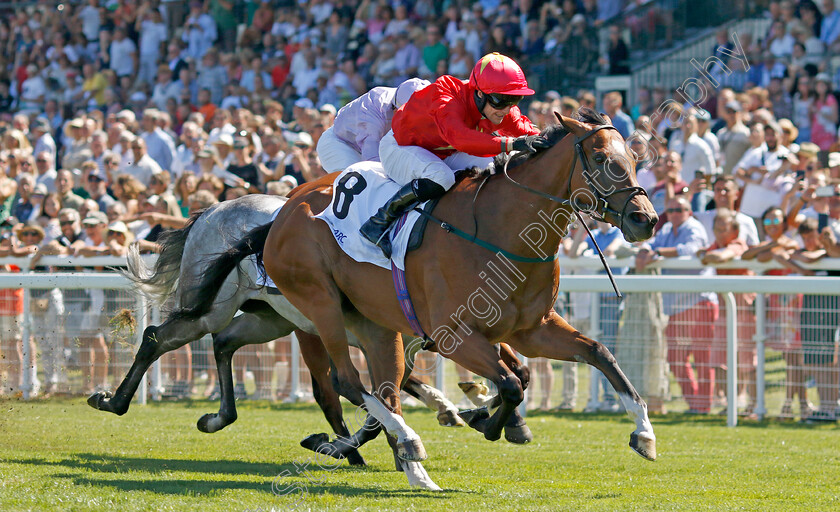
x,y
119,118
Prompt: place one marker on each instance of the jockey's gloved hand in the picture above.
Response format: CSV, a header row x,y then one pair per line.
x,y
529,143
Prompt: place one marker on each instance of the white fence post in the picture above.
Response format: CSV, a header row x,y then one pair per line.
x,y
26,334
760,337
731,359
440,373
594,333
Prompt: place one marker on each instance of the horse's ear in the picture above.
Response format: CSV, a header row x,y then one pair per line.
x,y
565,122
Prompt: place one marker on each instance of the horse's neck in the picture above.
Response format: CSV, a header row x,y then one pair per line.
x,y
534,225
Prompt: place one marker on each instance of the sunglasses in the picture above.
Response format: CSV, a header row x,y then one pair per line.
x,y
94,178
112,232
676,210
42,160
502,101
772,222
29,233
66,223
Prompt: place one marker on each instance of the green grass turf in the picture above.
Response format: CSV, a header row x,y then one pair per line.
x,y
62,455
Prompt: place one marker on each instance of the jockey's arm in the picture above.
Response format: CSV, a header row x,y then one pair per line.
x,y
454,130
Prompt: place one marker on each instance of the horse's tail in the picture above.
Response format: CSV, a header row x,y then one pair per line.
x,y
217,271
160,281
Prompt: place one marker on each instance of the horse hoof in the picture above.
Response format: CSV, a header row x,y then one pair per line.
x,y
492,436
210,423
518,435
644,446
412,451
450,419
475,418
98,400
354,458
314,441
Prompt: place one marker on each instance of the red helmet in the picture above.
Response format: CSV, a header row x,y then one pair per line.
x,y
496,73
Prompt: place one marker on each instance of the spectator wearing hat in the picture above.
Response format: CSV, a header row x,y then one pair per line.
x,y
704,131
223,144
824,114
97,187
79,147
765,174
42,134
93,349
734,138
297,160
143,166
243,166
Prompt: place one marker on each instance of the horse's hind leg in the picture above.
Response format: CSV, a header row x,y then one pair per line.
x,y
434,399
256,327
317,360
516,431
556,339
170,335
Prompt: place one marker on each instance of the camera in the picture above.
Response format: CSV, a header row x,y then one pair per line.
x,y
826,191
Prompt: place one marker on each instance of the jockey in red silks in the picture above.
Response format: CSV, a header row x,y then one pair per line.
x,y
452,124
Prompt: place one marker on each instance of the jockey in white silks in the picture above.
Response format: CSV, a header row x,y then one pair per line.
x,y
361,124
449,125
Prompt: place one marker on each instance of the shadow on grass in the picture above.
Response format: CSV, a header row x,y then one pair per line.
x,y
115,464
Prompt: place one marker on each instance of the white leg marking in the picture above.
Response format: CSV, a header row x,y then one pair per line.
x,y
435,400
417,476
392,423
477,394
639,414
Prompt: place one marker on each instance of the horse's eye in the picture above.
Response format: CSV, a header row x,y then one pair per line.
x,y
600,159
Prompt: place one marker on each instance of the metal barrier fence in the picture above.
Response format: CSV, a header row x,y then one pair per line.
x,y
778,340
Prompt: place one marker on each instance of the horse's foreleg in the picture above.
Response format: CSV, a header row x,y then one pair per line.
x,y
317,360
434,399
475,353
516,431
556,339
157,340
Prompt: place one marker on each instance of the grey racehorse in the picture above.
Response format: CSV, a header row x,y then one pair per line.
x,y
264,316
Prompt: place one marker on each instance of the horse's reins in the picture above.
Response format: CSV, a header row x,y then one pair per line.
x,y
601,207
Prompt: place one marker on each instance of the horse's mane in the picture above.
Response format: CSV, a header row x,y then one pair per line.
x,y
553,133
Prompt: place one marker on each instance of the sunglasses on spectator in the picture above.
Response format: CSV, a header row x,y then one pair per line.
x,y
29,233
66,223
42,161
502,101
94,177
112,232
676,210
772,222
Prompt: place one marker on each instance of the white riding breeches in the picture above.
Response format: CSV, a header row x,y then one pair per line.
x,y
335,154
405,163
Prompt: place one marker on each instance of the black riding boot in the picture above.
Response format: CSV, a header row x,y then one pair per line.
x,y
410,195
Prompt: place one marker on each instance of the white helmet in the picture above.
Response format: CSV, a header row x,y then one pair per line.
x,y
406,89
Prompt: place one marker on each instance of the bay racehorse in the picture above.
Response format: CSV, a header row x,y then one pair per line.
x,y
587,166
263,315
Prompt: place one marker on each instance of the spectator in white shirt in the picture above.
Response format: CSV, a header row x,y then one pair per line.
x,y
200,31
143,166
726,195
695,152
153,34
42,133
123,53
764,171
159,145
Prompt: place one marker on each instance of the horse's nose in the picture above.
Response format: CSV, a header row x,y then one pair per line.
x,y
643,223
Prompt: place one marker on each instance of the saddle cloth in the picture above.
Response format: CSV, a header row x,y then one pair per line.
x,y
358,192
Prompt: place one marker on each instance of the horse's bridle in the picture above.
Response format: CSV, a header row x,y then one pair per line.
x,y
601,206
